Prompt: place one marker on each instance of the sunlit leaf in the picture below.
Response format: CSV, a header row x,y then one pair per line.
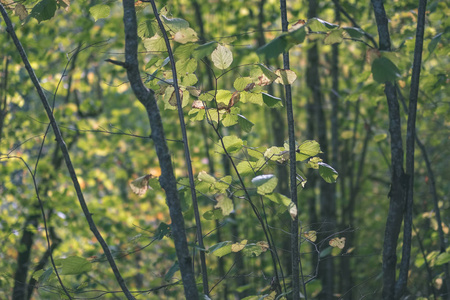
x,y
310,235
225,204
327,172
337,242
232,143
316,24
100,11
241,83
307,149
265,183
238,246
285,77
155,44
333,37
443,258
314,162
223,250
185,36
380,137
73,265
203,176
174,24
222,57
293,210
279,199
147,28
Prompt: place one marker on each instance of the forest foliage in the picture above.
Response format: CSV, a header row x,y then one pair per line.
x,y
197,196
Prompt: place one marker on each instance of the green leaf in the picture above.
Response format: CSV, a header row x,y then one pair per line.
x,y
285,77
282,43
252,251
203,176
316,24
314,162
334,37
245,124
222,57
147,28
186,35
231,118
256,98
214,214
162,231
379,137
241,83
232,143
186,66
183,52
44,10
265,183
384,70
327,172
218,246
272,101
307,149
225,204
224,250
174,268
279,198
204,50
155,44
74,265
434,41
354,32
223,96
443,258
100,11
174,24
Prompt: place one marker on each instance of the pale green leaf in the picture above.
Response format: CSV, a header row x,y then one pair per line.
x,y
242,82
223,96
100,11
279,198
307,149
73,265
316,24
222,57
185,36
334,37
203,176
285,77
174,24
225,204
155,44
265,183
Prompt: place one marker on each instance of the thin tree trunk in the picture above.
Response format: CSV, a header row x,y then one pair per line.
x,y
399,179
167,178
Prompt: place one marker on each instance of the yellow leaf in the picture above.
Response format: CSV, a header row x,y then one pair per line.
x,y
338,242
264,245
236,247
140,185
310,235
